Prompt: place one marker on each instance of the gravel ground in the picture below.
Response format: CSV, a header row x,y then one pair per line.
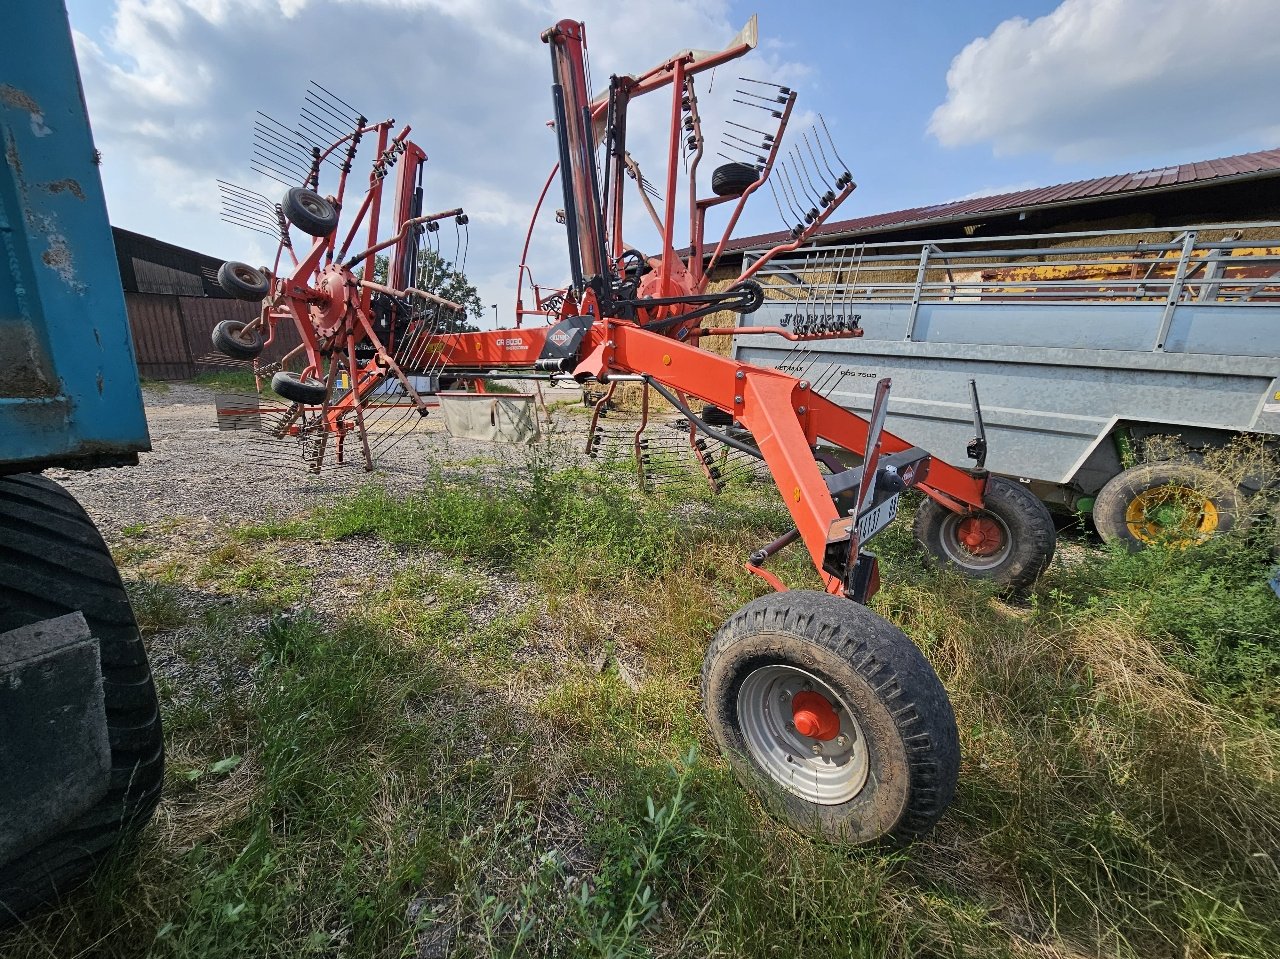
x,y
205,477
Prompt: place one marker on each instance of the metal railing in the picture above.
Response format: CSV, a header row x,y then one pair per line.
x,y
1187,268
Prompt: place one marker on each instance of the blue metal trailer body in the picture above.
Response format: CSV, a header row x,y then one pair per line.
x,y
1060,364
69,392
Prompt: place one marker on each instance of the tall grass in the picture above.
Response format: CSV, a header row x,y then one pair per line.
x,y
448,772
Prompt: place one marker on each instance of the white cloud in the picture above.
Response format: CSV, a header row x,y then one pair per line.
x,y
173,86
1099,79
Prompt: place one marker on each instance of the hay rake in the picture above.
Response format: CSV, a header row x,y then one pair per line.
x,y
367,352
829,710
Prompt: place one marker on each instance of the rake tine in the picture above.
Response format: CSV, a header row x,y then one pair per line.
x,y
846,176
756,96
781,215
796,166
323,123
804,167
768,137
751,153
818,140
336,116
280,142
829,196
776,114
766,83
333,96
794,194
272,176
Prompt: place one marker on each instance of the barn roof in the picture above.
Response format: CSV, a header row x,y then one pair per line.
x,y
1244,166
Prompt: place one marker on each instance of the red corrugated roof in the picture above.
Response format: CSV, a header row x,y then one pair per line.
x,y
1263,162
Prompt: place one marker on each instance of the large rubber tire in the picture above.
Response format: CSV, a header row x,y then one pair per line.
x,y
293,388
231,339
1175,503
1017,529
892,707
53,562
309,212
732,179
243,281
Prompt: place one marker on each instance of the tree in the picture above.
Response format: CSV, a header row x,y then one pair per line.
x,y
437,275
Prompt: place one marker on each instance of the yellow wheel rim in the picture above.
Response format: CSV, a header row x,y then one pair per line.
x,y
1172,514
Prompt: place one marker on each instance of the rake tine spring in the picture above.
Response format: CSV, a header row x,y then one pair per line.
x,y
785,91
768,137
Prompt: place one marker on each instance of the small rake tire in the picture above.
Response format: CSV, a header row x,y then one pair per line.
x,y
53,562
732,179
232,339
243,281
309,212
295,389
1202,504
1024,524
885,690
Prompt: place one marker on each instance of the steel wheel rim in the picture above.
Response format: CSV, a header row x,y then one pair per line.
x,y
1150,515
832,775
317,206
956,551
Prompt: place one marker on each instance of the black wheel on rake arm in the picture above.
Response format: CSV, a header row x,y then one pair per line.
x,y
732,179
309,211
243,281
833,716
294,388
232,339
1010,542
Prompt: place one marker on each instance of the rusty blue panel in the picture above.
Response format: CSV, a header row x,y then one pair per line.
x,y
69,390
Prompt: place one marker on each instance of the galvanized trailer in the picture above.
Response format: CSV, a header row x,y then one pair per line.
x,y
1079,352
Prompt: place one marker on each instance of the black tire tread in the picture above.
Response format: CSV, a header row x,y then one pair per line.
x,y
889,663
732,179
1112,501
1031,524
75,572
228,339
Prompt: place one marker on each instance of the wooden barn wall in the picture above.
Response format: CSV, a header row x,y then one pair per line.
x,y
172,334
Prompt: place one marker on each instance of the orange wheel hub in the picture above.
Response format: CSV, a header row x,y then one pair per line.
x,y
814,717
980,535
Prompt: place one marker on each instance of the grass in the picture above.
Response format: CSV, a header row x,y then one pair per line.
x,y
499,751
234,380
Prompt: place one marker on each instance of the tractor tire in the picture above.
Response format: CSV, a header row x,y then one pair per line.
x,y
231,339
309,212
295,389
53,562
1010,542
732,179
1179,504
243,281
883,768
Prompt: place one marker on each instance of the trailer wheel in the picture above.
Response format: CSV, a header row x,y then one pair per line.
x,y
309,211
54,562
1010,542
1175,503
295,389
243,281
833,716
732,179
232,339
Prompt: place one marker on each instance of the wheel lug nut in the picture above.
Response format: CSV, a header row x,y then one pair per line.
x,y
817,749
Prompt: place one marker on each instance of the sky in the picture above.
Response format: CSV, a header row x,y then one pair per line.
x,y
927,100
